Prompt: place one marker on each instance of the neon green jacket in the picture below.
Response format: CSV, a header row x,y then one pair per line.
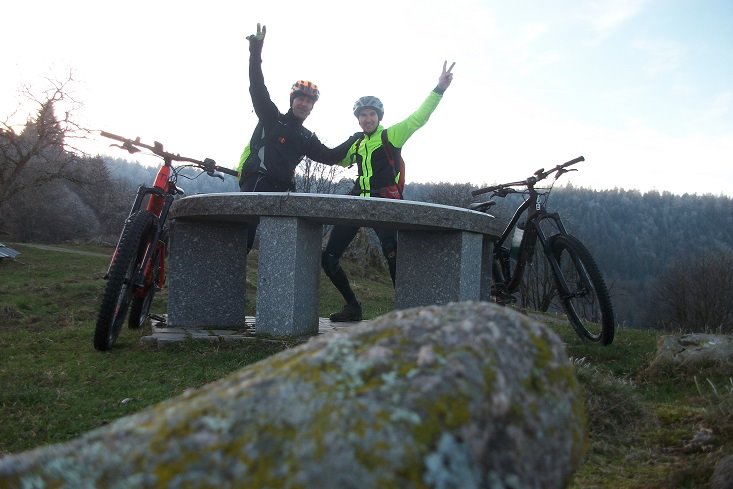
x,y
375,172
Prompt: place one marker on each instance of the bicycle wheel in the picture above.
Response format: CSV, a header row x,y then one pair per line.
x,y
118,292
586,303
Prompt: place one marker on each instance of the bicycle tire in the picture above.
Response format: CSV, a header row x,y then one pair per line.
x,y
118,293
588,306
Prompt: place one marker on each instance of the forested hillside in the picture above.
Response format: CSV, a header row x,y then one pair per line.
x,y
634,236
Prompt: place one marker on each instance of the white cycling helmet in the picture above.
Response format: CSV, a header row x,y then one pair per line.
x,y
371,102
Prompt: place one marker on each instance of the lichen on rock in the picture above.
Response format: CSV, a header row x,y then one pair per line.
x,y
456,396
693,353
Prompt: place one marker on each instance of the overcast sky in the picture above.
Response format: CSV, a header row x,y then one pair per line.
x,y
642,88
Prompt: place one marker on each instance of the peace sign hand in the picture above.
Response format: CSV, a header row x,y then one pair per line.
x,y
446,77
260,36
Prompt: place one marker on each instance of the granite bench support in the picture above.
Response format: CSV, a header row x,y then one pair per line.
x,y
447,266
207,274
287,291
442,256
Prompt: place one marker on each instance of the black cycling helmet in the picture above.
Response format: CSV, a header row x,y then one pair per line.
x,y
369,101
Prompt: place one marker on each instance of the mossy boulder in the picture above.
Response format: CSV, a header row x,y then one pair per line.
x,y
460,396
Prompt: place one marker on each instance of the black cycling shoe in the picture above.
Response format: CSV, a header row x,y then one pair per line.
x,y
350,312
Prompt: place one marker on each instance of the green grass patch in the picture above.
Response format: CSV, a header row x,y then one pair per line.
x,y
647,429
56,386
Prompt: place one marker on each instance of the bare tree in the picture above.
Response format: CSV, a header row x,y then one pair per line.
x,y
317,178
61,215
695,295
43,151
49,189
455,194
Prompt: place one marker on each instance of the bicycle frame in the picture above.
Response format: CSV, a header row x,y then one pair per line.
x,y
536,215
578,282
161,194
533,231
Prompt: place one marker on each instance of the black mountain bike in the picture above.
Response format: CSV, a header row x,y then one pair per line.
x,y
579,288
137,269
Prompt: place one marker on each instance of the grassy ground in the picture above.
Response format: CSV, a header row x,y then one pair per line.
x,y
647,430
55,386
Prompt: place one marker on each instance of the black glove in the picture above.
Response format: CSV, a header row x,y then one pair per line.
x,y
257,40
209,166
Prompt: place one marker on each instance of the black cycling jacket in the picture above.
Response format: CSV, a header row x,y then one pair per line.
x,y
279,141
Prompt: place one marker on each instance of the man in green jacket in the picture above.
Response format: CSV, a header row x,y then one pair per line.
x,y
377,178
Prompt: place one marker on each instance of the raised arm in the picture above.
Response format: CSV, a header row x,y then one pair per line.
x,y
399,133
264,107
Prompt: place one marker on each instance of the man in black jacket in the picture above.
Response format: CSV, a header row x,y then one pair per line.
x,y
280,141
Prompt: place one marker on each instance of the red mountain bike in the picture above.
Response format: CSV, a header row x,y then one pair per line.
x,y
137,268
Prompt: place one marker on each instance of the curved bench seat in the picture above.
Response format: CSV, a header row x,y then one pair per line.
x,y
441,255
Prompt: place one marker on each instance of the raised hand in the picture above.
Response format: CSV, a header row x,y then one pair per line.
x,y
446,77
260,36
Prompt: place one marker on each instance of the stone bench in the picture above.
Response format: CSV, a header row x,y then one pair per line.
x,y
443,256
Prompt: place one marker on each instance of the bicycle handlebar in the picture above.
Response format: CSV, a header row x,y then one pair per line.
x,y
132,146
540,174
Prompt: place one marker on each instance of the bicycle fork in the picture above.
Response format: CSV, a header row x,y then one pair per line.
x,y
159,201
563,289
143,276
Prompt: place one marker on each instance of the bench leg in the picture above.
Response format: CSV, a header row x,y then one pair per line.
x,y
435,267
207,275
487,262
289,269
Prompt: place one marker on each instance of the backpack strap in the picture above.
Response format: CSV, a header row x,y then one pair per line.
x,y
388,150
355,156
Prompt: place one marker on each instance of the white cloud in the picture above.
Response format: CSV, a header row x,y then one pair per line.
x,y
663,55
607,16
719,111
